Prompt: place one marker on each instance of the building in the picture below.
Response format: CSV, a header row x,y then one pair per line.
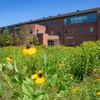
x,y
66,29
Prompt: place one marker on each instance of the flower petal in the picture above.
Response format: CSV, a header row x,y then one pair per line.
x,y
34,76
39,80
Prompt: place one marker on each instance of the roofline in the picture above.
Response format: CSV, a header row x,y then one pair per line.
x,y
54,17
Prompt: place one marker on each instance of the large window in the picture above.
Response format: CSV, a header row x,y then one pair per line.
x,y
89,17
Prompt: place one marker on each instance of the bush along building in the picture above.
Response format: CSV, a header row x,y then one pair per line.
x,y
66,29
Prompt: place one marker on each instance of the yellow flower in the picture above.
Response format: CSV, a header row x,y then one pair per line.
x,y
75,90
61,64
9,59
38,77
98,93
98,79
29,50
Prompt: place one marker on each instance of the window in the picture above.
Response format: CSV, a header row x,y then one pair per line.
x,y
9,29
58,31
31,31
91,29
88,17
66,31
76,19
50,42
73,42
58,23
73,30
65,21
37,31
51,23
45,24
66,42
81,30
51,32
17,31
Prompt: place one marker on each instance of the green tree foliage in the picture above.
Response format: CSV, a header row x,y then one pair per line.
x,y
23,36
6,38
35,40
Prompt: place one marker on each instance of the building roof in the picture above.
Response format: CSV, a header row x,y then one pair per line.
x,y
54,17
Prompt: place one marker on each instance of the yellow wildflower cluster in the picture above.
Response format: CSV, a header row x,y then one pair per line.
x,y
38,77
75,90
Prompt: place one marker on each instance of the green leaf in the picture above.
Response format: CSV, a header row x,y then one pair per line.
x,y
20,78
15,67
53,80
62,87
44,59
1,67
9,65
16,94
52,69
15,79
28,81
23,70
27,90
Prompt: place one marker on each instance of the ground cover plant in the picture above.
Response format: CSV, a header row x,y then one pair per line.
x,y
50,73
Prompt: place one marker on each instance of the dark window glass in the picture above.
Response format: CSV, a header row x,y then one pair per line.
x,y
9,29
73,42
31,31
72,20
68,20
50,42
89,17
81,30
45,24
66,31
58,31
17,31
73,30
66,42
58,23
51,23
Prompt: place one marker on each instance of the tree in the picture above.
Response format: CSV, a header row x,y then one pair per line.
x,y
35,40
23,36
6,38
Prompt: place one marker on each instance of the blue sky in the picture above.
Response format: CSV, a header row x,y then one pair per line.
x,y
16,11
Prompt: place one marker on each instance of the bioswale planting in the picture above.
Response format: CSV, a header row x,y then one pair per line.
x,y
50,73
